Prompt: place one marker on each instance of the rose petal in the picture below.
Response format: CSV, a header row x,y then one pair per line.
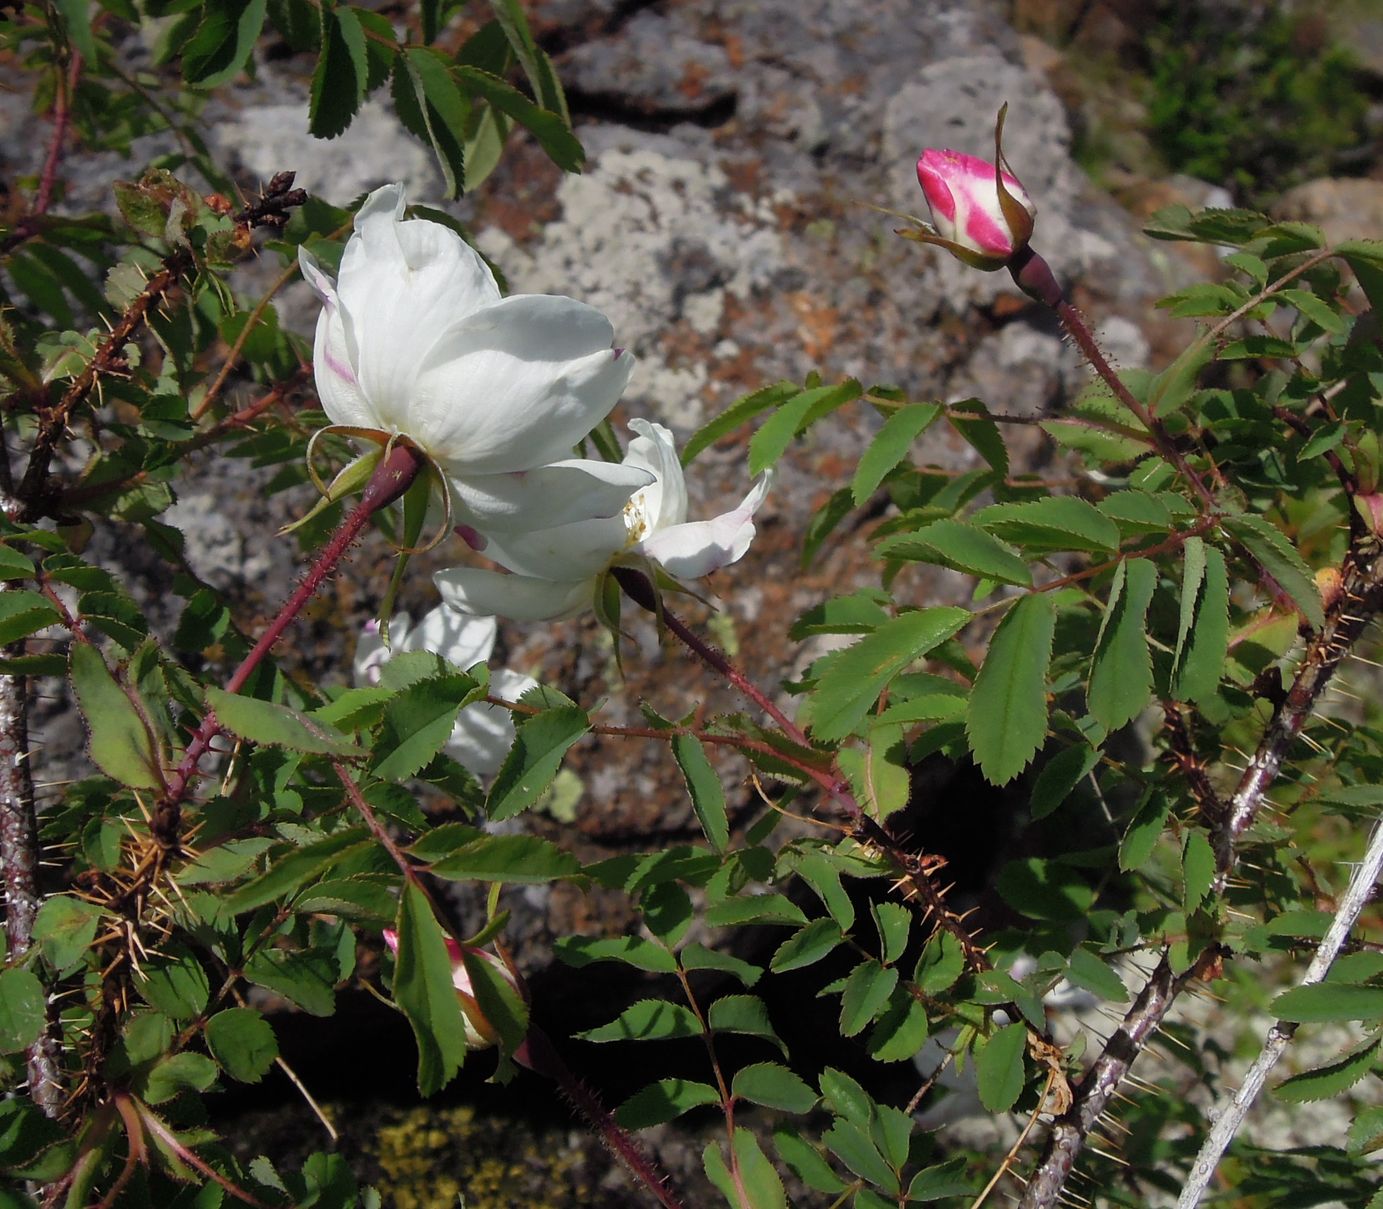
x,y
700,547
557,494
653,448
521,597
517,385
458,638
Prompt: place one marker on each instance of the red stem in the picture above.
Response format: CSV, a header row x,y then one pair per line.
x,y
62,115
392,477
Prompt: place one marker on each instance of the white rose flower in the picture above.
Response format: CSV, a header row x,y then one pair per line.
x,y
555,571
483,733
415,340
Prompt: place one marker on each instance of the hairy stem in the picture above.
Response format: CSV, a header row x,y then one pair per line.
x,y
539,1055
392,477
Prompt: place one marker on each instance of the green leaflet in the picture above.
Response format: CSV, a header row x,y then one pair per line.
x,y
1271,548
1198,675
121,744
890,446
962,547
1007,717
1121,670
423,989
851,680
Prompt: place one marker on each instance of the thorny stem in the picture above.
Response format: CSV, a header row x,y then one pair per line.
x,y
916,870
1359,602
392,477
1069,1131
35,492
727,1100
1035,278
1230,1112
539,1055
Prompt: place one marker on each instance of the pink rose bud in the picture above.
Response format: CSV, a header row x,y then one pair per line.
x,y
967,209
980,212
480,1033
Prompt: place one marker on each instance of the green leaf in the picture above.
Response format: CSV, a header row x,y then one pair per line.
x,y
21,613
707,794
121,745
272,725
759,1185
175,983
76,16
851,680
539,745
64,930
243,1042
366,899
698,957
1006,720
536,66
418,722
773,1086
972,421
1121,670
552,132
22,1013
900,1030
1279,558
423,989
308,978
430,104
1329,1001
516,859
755,909
1330,1080
853,1147
664,1101
1366,1133
1059,777
806,1162
866,993
647,1020
738,413
1192,576
296,867
1199,675
1198,869
14,565
223,42
793,417
743,1014
581,951
940,1181
177,1073
999,1071
962,547
891,446
894,922
500,1004
223,863
338,84
1055,522
1088,971
1143,830
807,946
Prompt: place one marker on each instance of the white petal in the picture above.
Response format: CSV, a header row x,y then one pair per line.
x,y
402,285
692,550
556,494
575,551
472,590
370,652
458,638
337,385
654,449
518,384
484,734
